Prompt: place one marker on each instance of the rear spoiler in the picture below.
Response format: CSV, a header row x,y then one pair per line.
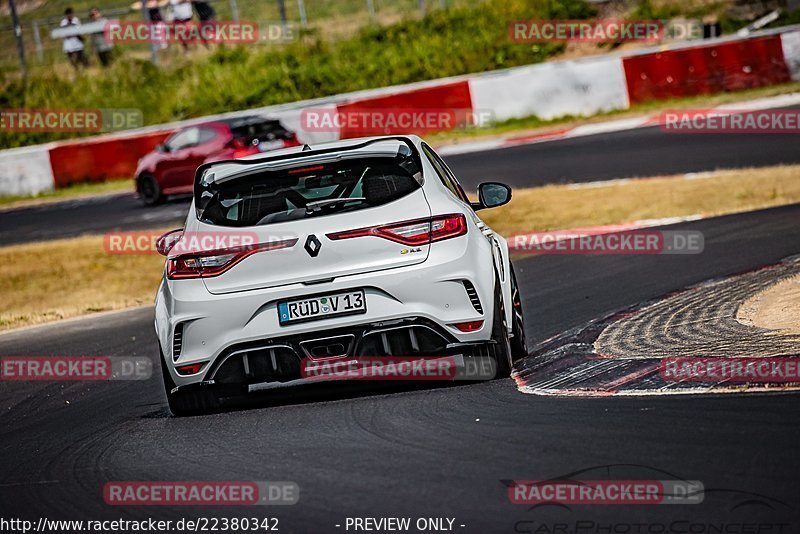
x,y
309,153
204,188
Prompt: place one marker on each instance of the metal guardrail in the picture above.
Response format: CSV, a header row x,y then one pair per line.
x,y
63,32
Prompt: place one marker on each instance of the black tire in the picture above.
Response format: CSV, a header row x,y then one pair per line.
x,y
149,190
187,403
501,350
519,346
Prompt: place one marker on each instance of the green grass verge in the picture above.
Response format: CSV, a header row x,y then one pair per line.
x,y
73,191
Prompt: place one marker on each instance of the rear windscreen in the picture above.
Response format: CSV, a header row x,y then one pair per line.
x,y
314,191
262,131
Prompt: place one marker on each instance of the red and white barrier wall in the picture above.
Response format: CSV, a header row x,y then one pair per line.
x,y
730,66
100,158
547,90
552,90
26,171
790,43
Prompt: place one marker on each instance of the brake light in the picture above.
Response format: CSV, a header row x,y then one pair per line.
x,y
215,262
242,152
414,232
241,148
303,170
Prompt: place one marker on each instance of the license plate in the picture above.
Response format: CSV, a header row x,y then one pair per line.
x,y
322,307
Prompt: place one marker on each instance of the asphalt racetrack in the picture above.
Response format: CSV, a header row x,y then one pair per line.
x,y
641,152
441,452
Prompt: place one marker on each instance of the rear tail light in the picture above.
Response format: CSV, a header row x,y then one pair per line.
x,y
469,326
241,148
190,369
215,262
242,152
415,232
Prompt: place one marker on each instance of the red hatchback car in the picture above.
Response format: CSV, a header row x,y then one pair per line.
x,y
169,169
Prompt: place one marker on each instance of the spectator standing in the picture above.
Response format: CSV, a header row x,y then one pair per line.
x,y
154,11
100,44
156,19
181,16
204,10
73,46
206,15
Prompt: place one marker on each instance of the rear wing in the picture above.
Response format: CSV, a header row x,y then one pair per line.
x,y
304,156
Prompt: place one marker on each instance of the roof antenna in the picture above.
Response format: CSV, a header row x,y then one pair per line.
x,y
306,148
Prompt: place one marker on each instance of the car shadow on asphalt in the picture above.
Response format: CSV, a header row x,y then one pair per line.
x,y
317,393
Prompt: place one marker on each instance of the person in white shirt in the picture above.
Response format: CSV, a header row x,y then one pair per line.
x,y
181,15
181,10
73,46
100,44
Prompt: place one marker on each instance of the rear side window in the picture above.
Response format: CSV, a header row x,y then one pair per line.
x,y
266,197
445,175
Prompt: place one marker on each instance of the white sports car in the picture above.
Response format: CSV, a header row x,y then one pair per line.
x,y
365,247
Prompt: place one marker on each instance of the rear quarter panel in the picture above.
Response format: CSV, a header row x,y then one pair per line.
x,y
491,248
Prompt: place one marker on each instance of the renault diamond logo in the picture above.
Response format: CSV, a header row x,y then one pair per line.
x,y
312,246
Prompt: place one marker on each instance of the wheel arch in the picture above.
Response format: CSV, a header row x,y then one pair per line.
x,y
502,265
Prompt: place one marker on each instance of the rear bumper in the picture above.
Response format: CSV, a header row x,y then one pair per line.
x,y
431,294
276,362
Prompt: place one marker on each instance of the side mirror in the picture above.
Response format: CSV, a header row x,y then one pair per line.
x,y
491,195
162,147
168,240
